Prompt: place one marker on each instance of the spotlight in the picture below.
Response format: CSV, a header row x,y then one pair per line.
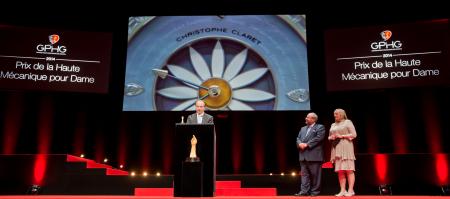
x,y
445,190
158,174
121,166
145,174
385,189
105,160
82,155
133,173
271,174
282,173
34,189
293,173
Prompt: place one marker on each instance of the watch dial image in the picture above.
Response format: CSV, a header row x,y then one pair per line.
x,y
236,63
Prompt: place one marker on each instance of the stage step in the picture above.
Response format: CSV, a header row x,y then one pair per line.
x,y
153,191
219,192
228,184
246,192
72,158
91,164
223,188
116,172
97,165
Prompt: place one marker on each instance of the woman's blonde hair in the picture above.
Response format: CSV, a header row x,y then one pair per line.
x,y
341,112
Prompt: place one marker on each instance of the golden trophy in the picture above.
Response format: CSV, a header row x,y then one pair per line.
x,y
193,155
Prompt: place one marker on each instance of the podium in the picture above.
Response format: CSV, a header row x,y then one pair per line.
x,y
195,179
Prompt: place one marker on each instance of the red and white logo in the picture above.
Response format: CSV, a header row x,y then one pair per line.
x,y
53,38
386,45
51,49
386,35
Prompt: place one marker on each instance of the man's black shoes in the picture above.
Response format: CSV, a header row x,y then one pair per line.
x,y
301,194
305,194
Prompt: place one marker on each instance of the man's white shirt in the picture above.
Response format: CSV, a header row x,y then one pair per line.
x,y
200,118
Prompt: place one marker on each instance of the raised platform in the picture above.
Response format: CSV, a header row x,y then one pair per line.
x,y
412,174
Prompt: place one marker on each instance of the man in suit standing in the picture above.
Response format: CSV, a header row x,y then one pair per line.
x,y
310,145
200,117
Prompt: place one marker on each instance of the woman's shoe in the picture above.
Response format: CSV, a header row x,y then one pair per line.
x,y
348,194
340,194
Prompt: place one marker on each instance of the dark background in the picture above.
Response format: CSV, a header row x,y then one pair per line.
x,y
407,120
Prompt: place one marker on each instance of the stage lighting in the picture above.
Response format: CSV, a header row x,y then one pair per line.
x,y
385,189
445,190
34,190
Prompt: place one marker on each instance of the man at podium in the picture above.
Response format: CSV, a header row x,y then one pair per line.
x,y
200,117
192,177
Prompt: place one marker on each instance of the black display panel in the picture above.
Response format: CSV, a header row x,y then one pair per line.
x,y
389,56
54,59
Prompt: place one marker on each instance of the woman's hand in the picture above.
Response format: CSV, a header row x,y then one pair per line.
x,y
332,137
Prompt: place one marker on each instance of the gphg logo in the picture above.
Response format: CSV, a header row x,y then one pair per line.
x,y
386,45
50,48
386,35
53,38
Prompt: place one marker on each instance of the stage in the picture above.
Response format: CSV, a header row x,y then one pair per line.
x,y
66,176
218,197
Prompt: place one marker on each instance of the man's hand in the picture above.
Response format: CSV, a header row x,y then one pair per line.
x,y
302,146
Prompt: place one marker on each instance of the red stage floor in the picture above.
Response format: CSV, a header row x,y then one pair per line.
x,y
218,197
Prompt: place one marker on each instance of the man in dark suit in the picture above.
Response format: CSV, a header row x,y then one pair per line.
x,y
310,145
200,117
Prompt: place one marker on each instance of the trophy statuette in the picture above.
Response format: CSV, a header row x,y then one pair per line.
x,y
193,155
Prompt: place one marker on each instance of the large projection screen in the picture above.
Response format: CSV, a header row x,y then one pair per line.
x,y
232,62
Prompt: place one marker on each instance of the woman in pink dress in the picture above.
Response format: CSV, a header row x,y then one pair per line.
x,y
342,132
